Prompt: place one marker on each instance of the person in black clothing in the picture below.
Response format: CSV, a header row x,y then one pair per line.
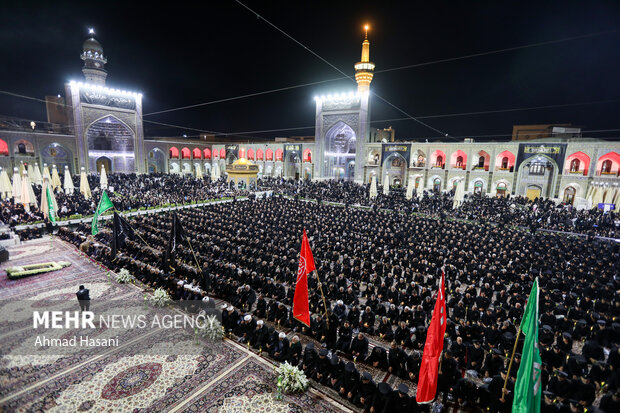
x,y
83,296
349,382
366,392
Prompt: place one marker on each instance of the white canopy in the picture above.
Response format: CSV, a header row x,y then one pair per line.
x,y
69,188
44,206
38,178
55,178
84,187
198,172
17,186
5,185
373,187
46,173
410,188
31,174
597,196
215,171
103,179
459,194
27,192
420,189
386,184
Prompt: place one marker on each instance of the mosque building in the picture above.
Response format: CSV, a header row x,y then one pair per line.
x,y
95,125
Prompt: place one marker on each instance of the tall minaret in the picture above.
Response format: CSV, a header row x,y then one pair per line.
x,y
364,69
94,61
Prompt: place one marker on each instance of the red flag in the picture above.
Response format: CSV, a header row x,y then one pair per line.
x,y
427,381
301,307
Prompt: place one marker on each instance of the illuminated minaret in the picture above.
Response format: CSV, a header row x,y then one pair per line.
x,y
364,69
94,61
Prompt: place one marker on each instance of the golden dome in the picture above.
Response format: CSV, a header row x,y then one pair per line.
x,y
242,161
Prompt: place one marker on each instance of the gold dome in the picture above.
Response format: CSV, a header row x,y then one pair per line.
x,y
242,161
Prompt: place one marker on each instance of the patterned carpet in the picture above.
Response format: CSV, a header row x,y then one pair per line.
x,y
140,375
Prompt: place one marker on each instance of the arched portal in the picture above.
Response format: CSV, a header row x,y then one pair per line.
x,y
156,161
105,162
111,138
437,185
537,177
505,161
59,155
293,166
608,164
340,141
578,163
395,166
569,195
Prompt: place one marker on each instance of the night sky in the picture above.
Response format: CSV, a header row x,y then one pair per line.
x,y
187,53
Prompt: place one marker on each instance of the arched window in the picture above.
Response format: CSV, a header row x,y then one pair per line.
x,y
574,165
279,154
207,153
569,195
251,154
197,153
505,162
481,162
439,161
459,161
241,152
437,185
501,189
174,153
269,154
185,153
478,186
259,154
606,167
307,155
222,153
4,148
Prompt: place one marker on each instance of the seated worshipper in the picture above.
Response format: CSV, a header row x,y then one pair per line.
x,y
366,392
280,351
340,310
402,335
349,382
322,368
401,402
377,358
397,360
295,351
335,372
367,324
259,336
309,359
385,329
261,307
382,398
359,347
282,316
248,297
246,328
345,334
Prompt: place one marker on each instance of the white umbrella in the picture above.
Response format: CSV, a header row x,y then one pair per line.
x,y
198,172
69,187
597,196
55,178
410,187
21,168
610,194
44,206
31,174
459,194
373,187
5,185
103,178
386,184
17,186
27,192
420,190
617,199
84,187
46,173
38,178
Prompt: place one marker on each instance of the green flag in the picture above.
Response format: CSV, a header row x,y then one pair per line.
x,y
528,385
51,213
104,205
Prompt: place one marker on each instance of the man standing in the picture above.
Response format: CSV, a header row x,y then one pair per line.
x,y
83,298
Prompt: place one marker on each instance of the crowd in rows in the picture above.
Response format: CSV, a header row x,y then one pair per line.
x,y
379,271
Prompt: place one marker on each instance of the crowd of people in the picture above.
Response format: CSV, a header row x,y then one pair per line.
x,y
379,271
126,191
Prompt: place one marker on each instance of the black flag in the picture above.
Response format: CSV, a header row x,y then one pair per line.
x,y
120,233
177,236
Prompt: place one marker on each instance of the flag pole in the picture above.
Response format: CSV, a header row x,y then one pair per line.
x,y
514,350
323,296
134,231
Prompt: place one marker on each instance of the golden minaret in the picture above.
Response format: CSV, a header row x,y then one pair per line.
x,y
364,69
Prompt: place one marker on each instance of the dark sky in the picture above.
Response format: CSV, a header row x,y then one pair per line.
x,y
186,53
